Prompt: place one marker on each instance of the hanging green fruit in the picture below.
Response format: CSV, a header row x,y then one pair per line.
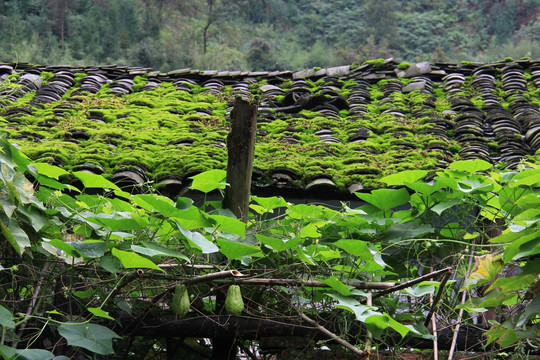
x,y
234,303
180,301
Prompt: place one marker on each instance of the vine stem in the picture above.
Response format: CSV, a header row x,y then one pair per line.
x,y
460,314
313,283
434,326
409,283
331,335
369,334
437,297
32,304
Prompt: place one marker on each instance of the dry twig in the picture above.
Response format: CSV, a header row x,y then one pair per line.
x,y
331,335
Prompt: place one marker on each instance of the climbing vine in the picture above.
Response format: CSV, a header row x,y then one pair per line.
x,y
83,262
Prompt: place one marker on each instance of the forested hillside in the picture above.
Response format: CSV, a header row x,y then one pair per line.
x,y
265,34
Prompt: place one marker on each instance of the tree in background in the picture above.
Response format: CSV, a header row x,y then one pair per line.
x,y
227,34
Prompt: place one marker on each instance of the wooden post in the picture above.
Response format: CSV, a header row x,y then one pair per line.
x,y
240,148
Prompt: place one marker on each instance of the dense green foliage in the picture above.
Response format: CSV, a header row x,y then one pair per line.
x,y
262,34
113,253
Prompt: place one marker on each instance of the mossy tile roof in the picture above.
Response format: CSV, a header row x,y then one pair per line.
x,y
338,129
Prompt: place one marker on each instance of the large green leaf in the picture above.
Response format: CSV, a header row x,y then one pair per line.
x,y
15,236
156,203
403,177
131,260
50,170
150,249
209,181
234,250
53,184
99,313
361,311
268,204
6,318
378,323
518,282
118,221
442,206
93,337
278,244
468,186
386,199
229,224
355,247
37,218
90,248
191,219
24,188
90,180
524,246
421,289
309,212
11,156
6,205
198,240
526,178
409,230
337,285
532,311
26,354
470,166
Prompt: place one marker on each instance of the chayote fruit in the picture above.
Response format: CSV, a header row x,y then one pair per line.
x,y
234,303
180,301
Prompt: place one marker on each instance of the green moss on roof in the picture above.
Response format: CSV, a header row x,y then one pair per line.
x,y
171,133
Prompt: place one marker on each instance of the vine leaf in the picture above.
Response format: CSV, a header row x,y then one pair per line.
x,y
470,166
485,269
209,181
385,199
403,177
150,249
27,354
90,180
234,250
337,285
49,170
229,224
93,337
131,260
199,241
15,236
6,318
355,247
100,313
268,204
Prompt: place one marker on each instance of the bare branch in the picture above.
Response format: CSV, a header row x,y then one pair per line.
x,y
331,335
413,282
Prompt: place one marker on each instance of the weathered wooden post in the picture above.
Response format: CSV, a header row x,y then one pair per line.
x,y
240,149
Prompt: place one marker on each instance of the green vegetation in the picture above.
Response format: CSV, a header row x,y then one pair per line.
x,y
264,35
403,65
378,63
115,253
164,131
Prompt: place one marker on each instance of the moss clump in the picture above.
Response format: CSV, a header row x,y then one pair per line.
x,y
378,63
403,65
46,75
